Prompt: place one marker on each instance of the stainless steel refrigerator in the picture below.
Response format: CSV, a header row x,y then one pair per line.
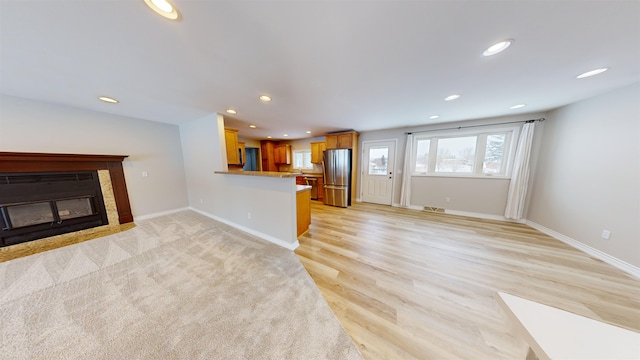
x,y
337,177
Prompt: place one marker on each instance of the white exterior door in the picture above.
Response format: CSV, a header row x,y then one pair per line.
x,y
377,178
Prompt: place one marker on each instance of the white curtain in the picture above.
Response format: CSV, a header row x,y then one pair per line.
x,y
520,176
405,195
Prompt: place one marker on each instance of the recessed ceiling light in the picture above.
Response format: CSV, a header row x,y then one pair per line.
x,y
231,111
108,99
264,98
592,72
308,131
164,8
285,135
269,137
451,97
518,106
252,126
499,47
434,116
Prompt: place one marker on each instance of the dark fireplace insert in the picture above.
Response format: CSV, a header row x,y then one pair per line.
x,y
39,205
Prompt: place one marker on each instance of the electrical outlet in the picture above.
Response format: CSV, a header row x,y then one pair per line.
x,y
201,201
605,234
145,174
447,199
249,216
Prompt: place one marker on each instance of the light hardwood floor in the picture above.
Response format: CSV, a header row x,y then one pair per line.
x,y
411,284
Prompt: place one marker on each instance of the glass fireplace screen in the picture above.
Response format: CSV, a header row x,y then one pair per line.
x,y
42,212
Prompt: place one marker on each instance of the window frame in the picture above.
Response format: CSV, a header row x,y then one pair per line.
x,y
302,151
511,132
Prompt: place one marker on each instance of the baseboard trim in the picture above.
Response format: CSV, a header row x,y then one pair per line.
x,y
481,216
411,207
263,236
161,213
613,261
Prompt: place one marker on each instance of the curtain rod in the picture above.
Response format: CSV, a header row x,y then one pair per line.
x,y
472,126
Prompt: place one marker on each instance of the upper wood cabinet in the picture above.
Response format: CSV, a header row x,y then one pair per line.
x,y
316,152
231,142
282,154
345,140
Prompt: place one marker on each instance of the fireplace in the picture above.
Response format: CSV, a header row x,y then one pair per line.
x,y
75,211
38,205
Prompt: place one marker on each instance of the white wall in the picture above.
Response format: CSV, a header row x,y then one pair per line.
x,y
588,176
31,126
472,195
230,198
480,196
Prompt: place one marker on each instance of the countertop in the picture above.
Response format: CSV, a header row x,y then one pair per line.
x,y
317,175
260,173
300,188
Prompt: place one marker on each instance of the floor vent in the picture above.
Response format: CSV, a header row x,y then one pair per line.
x,y
434,209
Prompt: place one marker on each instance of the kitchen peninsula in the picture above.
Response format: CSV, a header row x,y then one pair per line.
x,y
293,203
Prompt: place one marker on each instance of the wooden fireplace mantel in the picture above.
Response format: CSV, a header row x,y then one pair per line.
x,y
15,162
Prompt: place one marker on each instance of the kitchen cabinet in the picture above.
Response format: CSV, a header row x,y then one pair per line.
x,y
302,180
231,142
282,154
303,211
320,189
268,155
316,152
344,140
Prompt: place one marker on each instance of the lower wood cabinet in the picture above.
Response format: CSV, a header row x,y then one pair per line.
x,y
320,189
300,180
303,211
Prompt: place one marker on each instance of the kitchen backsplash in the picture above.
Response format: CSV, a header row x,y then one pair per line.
x,y
317,168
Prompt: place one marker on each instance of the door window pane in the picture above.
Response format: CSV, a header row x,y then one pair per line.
x,y
456,154
422,156
494,154
378,158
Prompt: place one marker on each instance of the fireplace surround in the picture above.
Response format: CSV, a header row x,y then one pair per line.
x,y
68,207
39,205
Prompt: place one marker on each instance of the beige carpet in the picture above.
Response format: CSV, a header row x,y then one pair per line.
x,y
180,286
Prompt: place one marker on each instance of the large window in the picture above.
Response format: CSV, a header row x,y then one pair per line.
x,y
302,159
464,153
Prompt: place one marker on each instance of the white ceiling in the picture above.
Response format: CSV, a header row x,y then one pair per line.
x,y
329,65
